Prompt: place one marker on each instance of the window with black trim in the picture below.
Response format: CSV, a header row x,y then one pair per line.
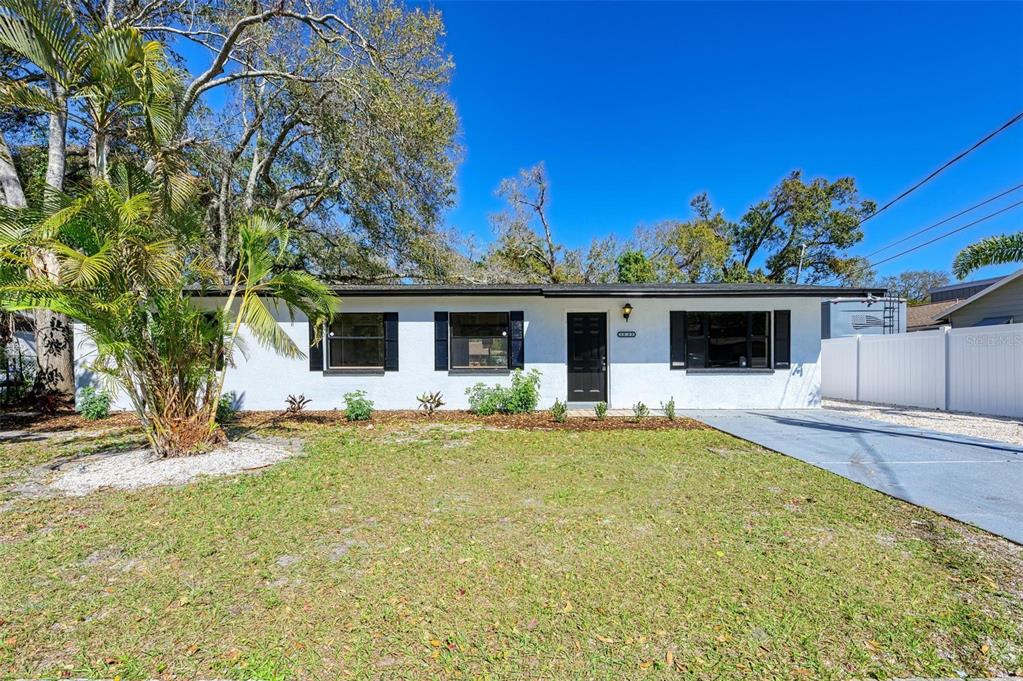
x,y
355,340
479,340
728,340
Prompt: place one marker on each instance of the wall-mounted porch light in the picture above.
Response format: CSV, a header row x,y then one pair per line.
x,y
626,310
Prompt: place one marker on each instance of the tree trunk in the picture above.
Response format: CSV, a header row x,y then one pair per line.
x,y
56,158
54,353
54,332
98,149
174,437
13,193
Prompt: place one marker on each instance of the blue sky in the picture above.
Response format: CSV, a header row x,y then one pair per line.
x,y
636,107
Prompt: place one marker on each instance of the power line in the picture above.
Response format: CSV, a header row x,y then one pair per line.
x,y
941,222
984,140
939,237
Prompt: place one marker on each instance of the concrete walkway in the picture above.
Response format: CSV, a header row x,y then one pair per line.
x,y
973,480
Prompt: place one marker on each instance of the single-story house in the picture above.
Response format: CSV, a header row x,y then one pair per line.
x,y
707,345
1000,302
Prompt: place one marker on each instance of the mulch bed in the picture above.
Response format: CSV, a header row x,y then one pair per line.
x,y
61,421
538,420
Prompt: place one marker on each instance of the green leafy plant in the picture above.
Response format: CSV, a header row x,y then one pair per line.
x,y
431,402
485,400
520,397
227,407
640,410
669,409
524,394
94,404
559,411
358,407
600,409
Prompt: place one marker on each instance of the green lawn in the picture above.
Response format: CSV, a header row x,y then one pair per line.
x,y
418,551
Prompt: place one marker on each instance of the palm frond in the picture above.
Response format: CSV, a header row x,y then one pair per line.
x,y
44,33
21,95
84,269
995,250
265,329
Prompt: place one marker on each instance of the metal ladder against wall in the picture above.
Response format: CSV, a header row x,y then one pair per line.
x,y
890,316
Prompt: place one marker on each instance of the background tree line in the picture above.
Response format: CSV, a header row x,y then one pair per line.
x,y
800,232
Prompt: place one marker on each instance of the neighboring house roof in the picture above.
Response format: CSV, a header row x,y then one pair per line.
x,y
960,290
927,315
608,290
999,283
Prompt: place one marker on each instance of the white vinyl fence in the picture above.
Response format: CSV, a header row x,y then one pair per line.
x,y
976,369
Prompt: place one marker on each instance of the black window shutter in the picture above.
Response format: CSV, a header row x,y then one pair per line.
x,y
516,340
440,341
677,359
782,339
390,341
315,350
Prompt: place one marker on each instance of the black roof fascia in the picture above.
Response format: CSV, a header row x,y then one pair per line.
x,y
596,291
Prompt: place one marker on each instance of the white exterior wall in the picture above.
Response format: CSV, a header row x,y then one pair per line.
x,y
638,368
975,369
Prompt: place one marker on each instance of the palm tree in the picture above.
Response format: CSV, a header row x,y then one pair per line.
x,y
995,250
131,261
104,78
101,80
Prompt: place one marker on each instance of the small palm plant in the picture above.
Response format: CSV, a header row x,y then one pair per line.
x,y
131,270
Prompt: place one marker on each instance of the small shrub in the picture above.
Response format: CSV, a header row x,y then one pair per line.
x,y
296,404
600,409
358,407
227,407
640,410
559,411
522,396
430,402
669,409
94,404
486,400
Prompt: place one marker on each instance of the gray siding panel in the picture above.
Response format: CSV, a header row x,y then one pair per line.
x,y
1006,301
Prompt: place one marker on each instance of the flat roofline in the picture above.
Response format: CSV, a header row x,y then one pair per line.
x,y
964,284
595,290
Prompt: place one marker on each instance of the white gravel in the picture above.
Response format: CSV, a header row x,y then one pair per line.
x,y
973,425
139,468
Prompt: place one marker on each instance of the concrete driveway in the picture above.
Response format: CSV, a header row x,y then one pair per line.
x,y
977,481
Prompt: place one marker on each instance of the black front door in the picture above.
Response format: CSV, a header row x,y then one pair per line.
x,y
587,357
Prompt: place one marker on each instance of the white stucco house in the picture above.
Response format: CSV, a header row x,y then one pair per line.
x,y
710,346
